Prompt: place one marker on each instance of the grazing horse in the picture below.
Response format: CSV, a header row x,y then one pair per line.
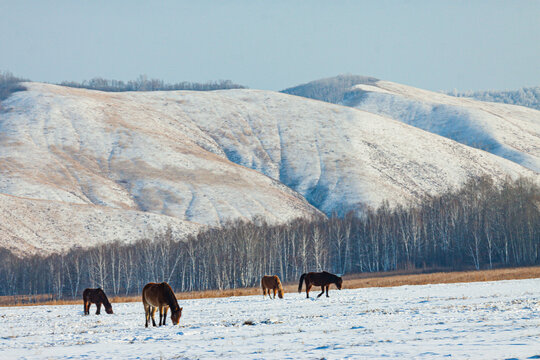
x,y
160,296
271,282
98,297
322,279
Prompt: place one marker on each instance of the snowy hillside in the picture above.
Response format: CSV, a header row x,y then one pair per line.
x,y
30,225
489,320
340,159
512,132
209,157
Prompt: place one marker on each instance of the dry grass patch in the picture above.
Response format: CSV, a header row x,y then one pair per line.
x,y
352,281
388,279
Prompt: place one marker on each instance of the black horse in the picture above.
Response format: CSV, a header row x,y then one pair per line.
x,y
322,279
98,297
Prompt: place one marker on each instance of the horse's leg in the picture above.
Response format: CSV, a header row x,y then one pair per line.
x,y
165,308
308,287
327,287
274,293
153,313
98,308
160,315
146,314
264,292
86,308
322,292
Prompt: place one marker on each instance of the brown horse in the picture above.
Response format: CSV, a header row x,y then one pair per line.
x,y
160,296
322,279
98,297
271,282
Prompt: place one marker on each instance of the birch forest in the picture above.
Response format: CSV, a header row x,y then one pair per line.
x,y
479,226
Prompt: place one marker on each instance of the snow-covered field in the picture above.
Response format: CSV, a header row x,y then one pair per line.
x,y
489,320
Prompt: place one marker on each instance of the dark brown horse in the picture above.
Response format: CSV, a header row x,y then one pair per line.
x,y
322,279
160,296
98,297
271,282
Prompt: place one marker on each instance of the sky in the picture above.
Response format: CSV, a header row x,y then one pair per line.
x,y
435,45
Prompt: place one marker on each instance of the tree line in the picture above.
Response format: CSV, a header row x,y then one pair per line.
x,y
9,84
481,225
527,96
143,83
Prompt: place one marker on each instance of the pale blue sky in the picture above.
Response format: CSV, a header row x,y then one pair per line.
x,y
437,45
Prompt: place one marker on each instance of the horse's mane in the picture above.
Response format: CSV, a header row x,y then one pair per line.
x,y
104,297
170,297
333,276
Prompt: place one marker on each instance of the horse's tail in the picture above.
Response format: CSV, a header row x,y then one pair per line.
x,y
301,280
280,287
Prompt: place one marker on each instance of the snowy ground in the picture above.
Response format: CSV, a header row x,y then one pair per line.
x,y
490,320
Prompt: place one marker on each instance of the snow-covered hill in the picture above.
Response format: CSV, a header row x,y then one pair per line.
x,y
512,132
207,157
331,89
30,225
